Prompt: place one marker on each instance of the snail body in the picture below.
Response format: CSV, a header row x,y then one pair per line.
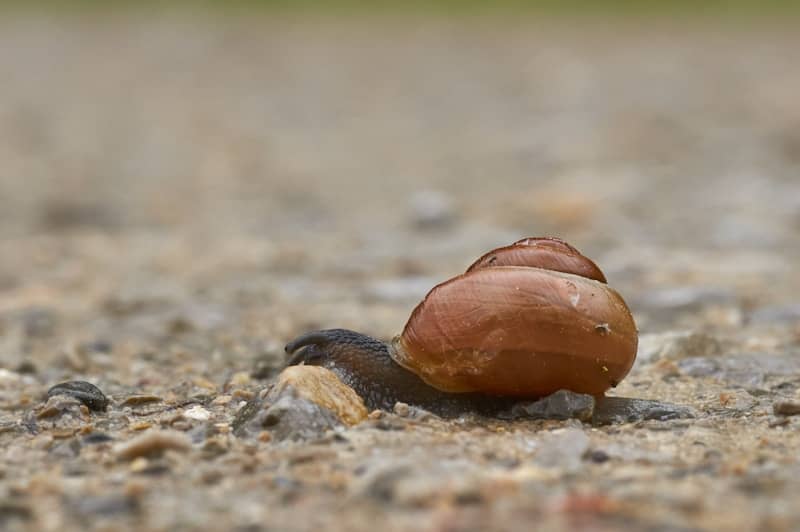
x,y
524,321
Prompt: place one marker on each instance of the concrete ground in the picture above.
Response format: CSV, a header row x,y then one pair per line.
x,y
181,195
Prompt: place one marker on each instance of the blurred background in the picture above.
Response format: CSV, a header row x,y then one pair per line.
x,y
185,186
246,170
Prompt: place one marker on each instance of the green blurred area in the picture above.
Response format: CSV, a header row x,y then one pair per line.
x,y
682,8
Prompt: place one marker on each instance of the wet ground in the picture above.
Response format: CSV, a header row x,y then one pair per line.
x,y
181,196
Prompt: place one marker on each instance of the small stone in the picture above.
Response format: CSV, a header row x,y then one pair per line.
x,y
598,456
26,367
85,392
8,378
305,403
240,378
322,387
181,423
737,400
139,464
609,410
12,510
152,443
142,399
296,418
242,394
778,422
97,437
215,446
197,413
786,408
202,382
55,407
222,400
412,412
562,404
61,434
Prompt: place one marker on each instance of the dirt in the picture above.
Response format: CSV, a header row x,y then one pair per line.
x,y
181,195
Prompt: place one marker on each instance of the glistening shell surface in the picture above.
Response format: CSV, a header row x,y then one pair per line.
x,y
519,331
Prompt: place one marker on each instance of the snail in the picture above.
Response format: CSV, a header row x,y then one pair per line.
x,y
523,322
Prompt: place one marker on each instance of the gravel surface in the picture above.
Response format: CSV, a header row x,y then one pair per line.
x,y
181,196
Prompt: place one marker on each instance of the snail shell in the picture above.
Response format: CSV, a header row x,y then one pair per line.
x,y
525,320
545,252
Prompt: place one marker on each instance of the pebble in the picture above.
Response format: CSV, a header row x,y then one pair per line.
x,y
8,378
412,412
97,437
402,409
222,400
737,400
152,443
85,392
322,387
598,456
786,408
562,404
58,405
296,418
13,510
143,399
197,413
305,403
240,378
610,410
242,394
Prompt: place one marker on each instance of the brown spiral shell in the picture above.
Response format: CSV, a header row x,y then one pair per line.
x,y
525,320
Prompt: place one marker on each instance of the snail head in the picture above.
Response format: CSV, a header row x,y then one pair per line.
x,y
327,347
